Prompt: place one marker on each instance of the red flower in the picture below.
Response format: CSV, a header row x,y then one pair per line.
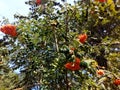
x,y
73,65
82,38
102,1
77,60
38,2
116,82
100,72
9,29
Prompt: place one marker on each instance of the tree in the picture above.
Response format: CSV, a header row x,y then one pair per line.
x,y
62,46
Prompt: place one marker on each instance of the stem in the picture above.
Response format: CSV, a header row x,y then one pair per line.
x,y
56,40
67,86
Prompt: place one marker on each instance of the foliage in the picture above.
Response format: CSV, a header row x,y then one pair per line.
x,y
8,79
46,39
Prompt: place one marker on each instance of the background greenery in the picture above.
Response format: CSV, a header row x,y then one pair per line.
x,y
44,42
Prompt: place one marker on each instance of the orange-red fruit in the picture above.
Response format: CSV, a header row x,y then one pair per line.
x,y
117,82
100,72
9,29
82,38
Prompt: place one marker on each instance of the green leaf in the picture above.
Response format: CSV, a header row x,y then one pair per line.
x,y
105,21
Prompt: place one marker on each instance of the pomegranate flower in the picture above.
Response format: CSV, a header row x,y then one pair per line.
x,y
100,72
77,60
116,82
38,2
73,66
101,1
82,38
9,29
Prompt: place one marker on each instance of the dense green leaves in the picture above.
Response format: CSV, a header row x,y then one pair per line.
x,y
48,39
